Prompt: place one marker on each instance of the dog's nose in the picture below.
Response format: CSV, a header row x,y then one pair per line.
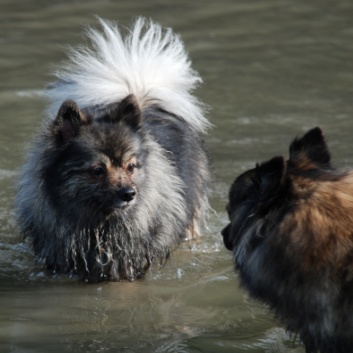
x,y
225,231
127,194
227,239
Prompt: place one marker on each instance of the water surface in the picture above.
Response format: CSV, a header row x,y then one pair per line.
x,y
271,70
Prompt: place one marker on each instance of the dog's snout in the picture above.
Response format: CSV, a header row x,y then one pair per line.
x,y
225,230
127,194
227,237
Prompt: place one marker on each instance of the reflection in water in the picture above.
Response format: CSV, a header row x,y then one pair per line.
x,y
271,70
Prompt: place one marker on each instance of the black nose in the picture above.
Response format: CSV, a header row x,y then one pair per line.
x,y
226,230
127,194
226,233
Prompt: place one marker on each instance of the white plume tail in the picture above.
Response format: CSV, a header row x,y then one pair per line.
x,y
149,62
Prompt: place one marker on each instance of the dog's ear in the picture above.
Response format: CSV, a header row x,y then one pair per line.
x,y
310,151
68,122
271,175
128,110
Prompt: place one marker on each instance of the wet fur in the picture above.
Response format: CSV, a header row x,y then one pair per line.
x,y
291,233
113,185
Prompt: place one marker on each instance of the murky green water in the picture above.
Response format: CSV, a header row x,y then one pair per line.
x,y
272,69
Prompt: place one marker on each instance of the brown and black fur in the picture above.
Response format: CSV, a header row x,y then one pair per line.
x,y
291,232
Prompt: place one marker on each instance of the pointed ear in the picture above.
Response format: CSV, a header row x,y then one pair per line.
x,y
310,151
68,122
128,111
271,174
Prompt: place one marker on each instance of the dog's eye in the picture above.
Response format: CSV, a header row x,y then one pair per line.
x,y
97,171
131,167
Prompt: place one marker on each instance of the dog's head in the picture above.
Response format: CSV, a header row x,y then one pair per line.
x,y
251,198
261,196
95,164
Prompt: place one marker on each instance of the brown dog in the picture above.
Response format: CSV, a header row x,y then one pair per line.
x,y
291,232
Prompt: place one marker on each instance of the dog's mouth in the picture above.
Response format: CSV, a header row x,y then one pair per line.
x,y
121,204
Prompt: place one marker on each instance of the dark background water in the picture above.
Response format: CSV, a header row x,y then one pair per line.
x,y
271,70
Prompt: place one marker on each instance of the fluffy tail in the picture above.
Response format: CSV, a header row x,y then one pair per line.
x,y
149,62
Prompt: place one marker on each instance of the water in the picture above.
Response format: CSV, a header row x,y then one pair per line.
x,y
271,70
